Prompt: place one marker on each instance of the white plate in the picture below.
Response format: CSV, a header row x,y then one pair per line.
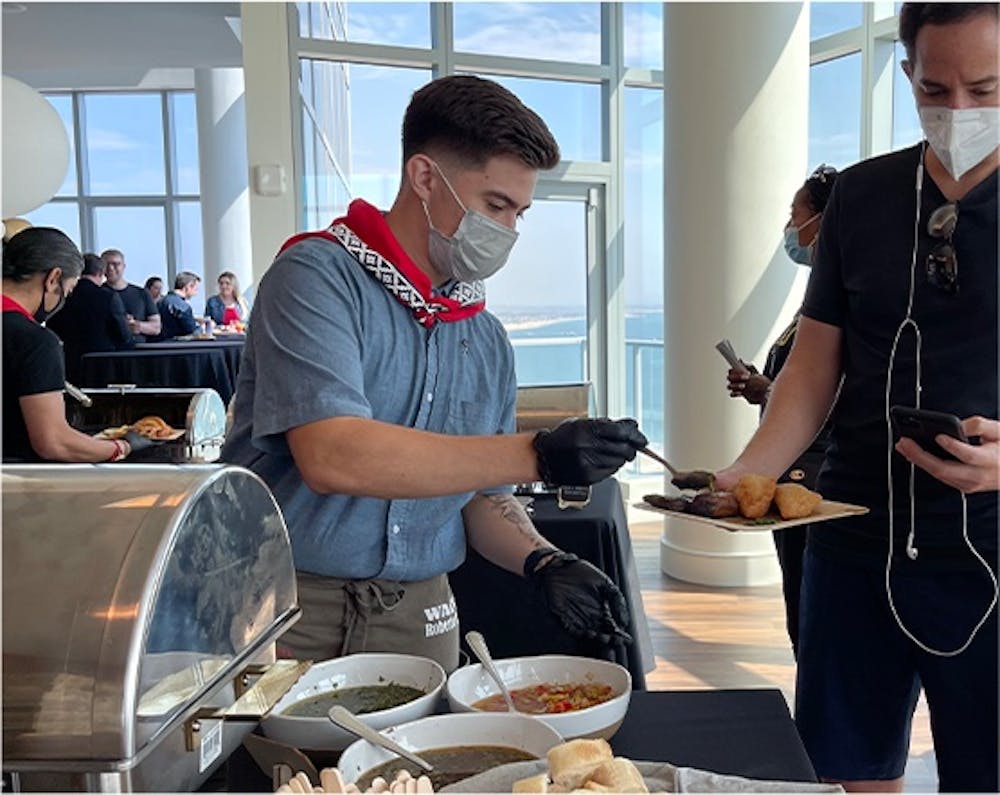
x,y
825,511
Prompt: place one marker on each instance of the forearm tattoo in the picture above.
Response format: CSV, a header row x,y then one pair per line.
x,y
510,509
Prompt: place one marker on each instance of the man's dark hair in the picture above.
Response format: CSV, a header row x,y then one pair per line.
x,y
39,249
819,185
152,280
184,278
473,120
112,252
913,16
93,265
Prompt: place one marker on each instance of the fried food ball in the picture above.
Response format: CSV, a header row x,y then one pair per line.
x,y
754,494
795,501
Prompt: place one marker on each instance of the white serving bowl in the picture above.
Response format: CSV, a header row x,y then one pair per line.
x,y
354,670
470,684
520,731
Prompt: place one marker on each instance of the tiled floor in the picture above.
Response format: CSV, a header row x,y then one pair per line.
x,y
733,637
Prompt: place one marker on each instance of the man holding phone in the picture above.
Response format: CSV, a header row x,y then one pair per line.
x,y
901,309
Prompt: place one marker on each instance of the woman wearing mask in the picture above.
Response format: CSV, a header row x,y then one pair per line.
x,y
801,234
228,306
40,268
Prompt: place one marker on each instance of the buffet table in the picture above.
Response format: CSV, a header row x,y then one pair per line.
x,y
193,363
736,732
513,617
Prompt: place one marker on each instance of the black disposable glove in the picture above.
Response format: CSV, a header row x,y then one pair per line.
x,y
586,602
581,452
137,442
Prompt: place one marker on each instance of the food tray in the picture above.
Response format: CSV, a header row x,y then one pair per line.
x,y
824,512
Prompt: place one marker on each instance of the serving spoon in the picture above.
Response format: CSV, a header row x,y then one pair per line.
x,y
478,645
347,720
683,479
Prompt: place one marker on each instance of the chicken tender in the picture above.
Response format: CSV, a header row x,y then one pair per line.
x,y
795,501
754,494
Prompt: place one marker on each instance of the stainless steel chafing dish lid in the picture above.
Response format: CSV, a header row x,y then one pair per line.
x,y
546,405
131,594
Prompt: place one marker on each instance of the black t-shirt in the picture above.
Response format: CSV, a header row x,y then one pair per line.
x,y
860,283
138,303
32,365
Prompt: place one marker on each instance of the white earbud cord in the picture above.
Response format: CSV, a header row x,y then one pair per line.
x,y
911,549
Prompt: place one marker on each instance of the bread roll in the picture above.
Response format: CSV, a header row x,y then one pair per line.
x,y
570,764
619,775
539,783
754,494
795,501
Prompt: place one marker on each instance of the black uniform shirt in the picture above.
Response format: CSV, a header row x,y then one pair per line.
x,y
860,282
138,303
32,365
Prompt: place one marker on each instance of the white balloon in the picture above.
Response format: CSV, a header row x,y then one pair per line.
x,y
35,149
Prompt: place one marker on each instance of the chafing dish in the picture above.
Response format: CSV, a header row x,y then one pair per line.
x,y
546,405
200,413
136,599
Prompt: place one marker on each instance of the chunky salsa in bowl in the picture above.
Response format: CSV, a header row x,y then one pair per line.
x,y
577,696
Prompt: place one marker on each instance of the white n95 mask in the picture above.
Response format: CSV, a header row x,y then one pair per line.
x,y
961,138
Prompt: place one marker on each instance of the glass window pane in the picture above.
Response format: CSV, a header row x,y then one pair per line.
x,y
190,256
185,155
905,121
139,233
378,98
643,35
834,17
63,103
550,31
835,112
400,24
547,323
571,110
124,140
61,215
644,262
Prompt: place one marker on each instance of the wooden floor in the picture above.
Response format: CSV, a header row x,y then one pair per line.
x,y
733,637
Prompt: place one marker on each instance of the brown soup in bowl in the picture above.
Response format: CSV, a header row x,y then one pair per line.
x,y
451,764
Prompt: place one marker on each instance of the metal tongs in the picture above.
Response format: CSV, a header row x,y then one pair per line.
x,y
683,479
78,394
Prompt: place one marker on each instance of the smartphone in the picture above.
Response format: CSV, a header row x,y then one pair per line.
x,y
923,425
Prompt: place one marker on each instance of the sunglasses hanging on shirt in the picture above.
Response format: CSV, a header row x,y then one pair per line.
x,y
942,262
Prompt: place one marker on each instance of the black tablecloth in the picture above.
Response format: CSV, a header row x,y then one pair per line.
x,y
735,732
196,363
512,615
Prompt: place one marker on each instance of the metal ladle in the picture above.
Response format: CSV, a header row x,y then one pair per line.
x,y
683,479
478,645
347,720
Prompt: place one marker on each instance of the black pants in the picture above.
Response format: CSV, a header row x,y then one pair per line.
x,y
791,545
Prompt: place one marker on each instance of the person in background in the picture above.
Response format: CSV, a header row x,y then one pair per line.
x,y
801,234
901,308
40,269
228,306
174,308
376,397
154,286
140,308
92,320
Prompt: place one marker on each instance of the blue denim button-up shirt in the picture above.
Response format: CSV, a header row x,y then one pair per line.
x,y
327,340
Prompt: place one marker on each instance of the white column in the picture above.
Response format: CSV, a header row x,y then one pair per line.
x,y
269,73
737,83
222,154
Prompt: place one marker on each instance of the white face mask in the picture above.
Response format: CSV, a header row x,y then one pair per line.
x,y
961,138
477,250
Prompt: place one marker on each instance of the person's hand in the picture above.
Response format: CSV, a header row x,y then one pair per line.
x,y
136,441
581,452
586,602
133,324
977,467
748,384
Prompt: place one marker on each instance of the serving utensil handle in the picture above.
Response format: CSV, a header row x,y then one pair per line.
x,y
346,719
478,645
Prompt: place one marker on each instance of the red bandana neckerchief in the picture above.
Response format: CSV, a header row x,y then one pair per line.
x,y
10,305
366,236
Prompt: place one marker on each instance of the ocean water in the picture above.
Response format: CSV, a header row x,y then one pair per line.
x,y
550,348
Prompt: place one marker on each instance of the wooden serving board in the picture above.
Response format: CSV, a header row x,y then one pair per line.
x,y
825,511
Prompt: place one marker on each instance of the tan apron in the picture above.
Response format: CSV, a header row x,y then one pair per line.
x,y
348,616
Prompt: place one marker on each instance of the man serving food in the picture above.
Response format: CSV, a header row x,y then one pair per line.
x,y
376,396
